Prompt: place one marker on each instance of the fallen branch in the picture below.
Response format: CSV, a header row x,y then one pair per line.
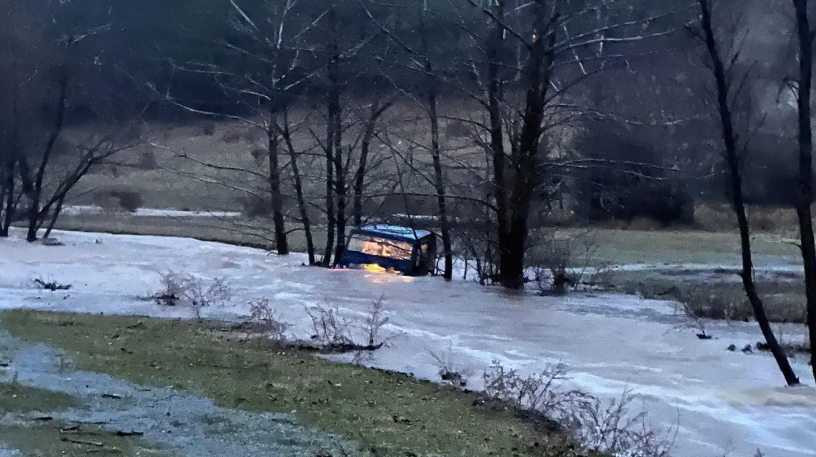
x,y
83,442
53,286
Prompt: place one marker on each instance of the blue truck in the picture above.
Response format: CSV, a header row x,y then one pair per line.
x,y
391,248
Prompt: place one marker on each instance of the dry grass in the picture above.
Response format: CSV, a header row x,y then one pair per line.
x,y
784,300
237,231
178,178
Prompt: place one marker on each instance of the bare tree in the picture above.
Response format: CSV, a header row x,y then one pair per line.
x,y
528,64
271,40
805,35
729,87
376,110
36,152
421,62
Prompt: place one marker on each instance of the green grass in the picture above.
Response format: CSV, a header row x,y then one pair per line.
x,y
784,300
50,438
687,246
17,398
390,414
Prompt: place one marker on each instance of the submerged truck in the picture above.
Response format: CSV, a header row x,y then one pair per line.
x,y
390,248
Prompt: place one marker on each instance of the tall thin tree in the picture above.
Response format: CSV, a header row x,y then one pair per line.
x,y
726,91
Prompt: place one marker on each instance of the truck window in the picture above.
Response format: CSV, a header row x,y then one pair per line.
x,y
381,247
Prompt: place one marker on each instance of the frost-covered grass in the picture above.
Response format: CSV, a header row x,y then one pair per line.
x,y
393,414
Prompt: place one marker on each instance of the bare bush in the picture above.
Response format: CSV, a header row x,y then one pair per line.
x,y
449,371
607,427
176,288
209,129
128,200
173,287
147,161
374,321
329,329
263,314
560,262
203,293
474,242
537,392
334,333
793,343
612,428
259,156
232,135
255,206
699,305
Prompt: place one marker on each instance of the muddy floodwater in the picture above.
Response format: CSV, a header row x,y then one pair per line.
x,y
179,422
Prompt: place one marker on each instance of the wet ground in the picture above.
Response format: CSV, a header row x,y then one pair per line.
x,y
184,424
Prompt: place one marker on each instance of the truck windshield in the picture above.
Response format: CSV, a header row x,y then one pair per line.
x,y
381,247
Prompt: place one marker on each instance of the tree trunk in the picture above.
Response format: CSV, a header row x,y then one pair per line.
x,y
436,156
34,213
341,191
10,158
808,246
360,173
9,199
495,94
273,151
301,200
335,118
737,198
526,168
54,216
330,219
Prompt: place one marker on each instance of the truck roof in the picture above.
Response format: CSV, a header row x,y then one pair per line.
x,y
393,231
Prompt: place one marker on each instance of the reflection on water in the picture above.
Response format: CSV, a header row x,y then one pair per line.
x,y
376,274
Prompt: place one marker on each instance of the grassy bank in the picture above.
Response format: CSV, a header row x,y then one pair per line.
x,y
614,246
388,414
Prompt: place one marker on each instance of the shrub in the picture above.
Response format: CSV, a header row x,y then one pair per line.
x,y
232,135
253,135
259,156
628,181
606,427
255,206
334,333
329,328
147,161
262,313
128,199
560,262
176,288
209,129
